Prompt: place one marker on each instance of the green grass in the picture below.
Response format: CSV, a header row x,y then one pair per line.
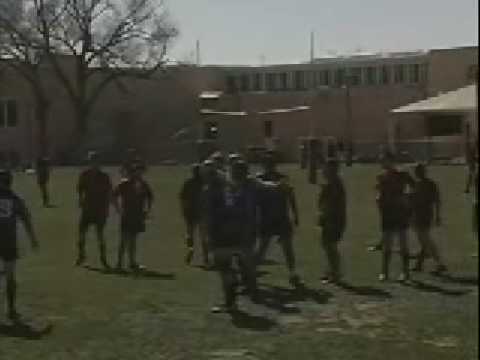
x,y
98,317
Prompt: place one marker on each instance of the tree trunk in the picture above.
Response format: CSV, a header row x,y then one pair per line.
x,y
42,116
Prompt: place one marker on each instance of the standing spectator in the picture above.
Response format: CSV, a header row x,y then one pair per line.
x,y
332,219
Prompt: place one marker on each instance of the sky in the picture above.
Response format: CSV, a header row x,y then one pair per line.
x,y
254,32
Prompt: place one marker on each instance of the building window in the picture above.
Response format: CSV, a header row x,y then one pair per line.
x,y
371,75
339,77
257,82
356,76
299,80
385,75
271,86
8,113
231,84
414,71
245,83
399,74
268,128
283,81
324,78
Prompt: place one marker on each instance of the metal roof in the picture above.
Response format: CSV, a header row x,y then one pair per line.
x,y
463,100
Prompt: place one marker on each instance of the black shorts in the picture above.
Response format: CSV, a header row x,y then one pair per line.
x,y
8,251
331,234
133,224
279,228
95,218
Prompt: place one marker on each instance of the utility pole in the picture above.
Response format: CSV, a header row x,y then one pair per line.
x,y
197,57
312,47
348,122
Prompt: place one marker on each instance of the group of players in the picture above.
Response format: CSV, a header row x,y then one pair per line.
x,y
235,215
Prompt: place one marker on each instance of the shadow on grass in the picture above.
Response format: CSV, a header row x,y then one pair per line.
x,y
365,290
467,280
243,320
24,331
144,274
282,299
425,287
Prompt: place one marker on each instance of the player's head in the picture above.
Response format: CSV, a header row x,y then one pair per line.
x,y
208,170
388,160
218,160
93,159
239,170
233,157
420,171
330,170
135,171
6,179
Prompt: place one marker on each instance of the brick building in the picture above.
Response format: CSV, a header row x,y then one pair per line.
x,y
348,97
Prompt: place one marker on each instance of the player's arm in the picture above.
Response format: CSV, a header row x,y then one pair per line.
x,y
81,190
150,198
116,199
26,219
292,199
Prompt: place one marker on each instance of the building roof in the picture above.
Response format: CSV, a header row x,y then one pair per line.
x,y
463,100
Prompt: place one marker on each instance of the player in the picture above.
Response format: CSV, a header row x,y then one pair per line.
x,y
191,204
276,205
426,211
230,223
94,196
133,200
12,209
43,178
332,219
393,202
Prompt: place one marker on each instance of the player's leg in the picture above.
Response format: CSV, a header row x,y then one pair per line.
x,y
44,193
286,241
247,263
263,246
122,248
387,254
405,254
82,235
204,240
102,246
11,289
422,240
189,238
132,251
434,252
223,264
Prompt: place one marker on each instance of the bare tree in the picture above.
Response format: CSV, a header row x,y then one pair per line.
x,y
107,41
21,49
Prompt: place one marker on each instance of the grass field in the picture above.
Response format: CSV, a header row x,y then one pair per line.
x,y
77,313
